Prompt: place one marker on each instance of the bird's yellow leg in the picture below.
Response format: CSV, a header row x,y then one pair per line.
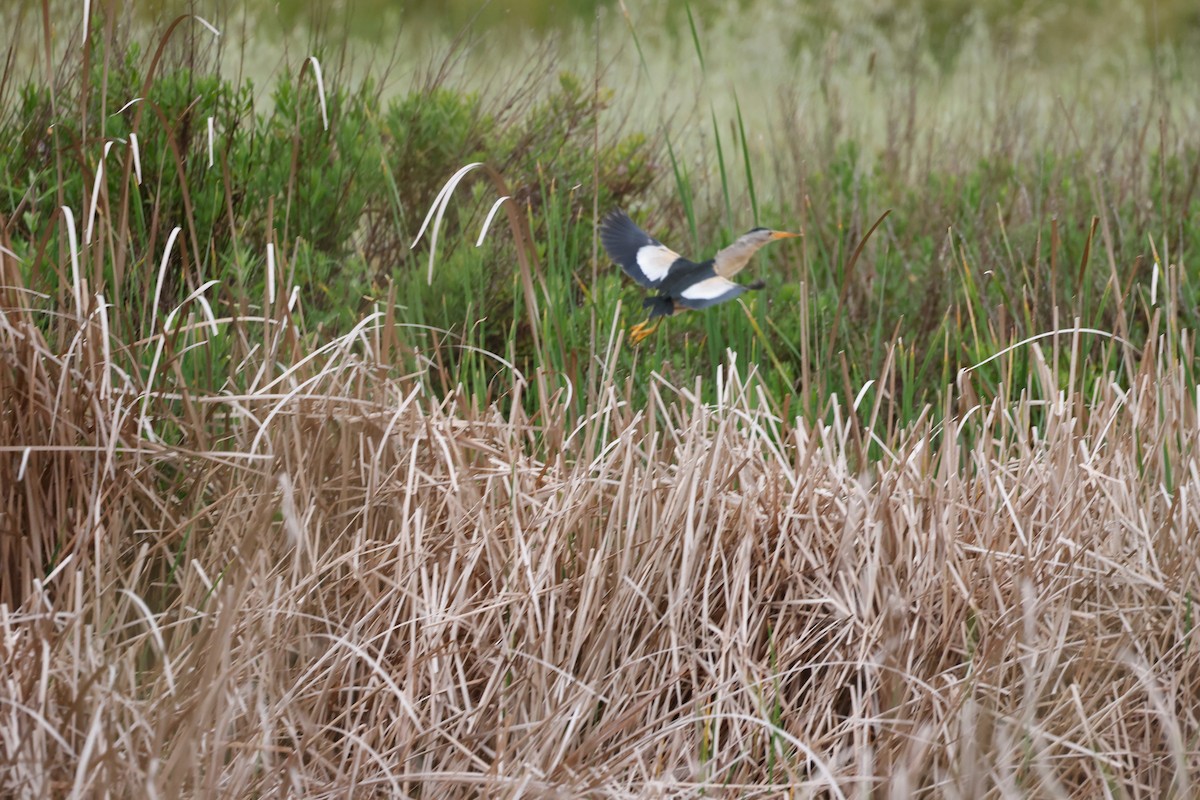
x,y
639,332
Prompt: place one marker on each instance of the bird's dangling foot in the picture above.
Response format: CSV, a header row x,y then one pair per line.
x,y
639,332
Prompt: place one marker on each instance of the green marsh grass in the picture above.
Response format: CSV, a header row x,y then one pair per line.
x,y
283,511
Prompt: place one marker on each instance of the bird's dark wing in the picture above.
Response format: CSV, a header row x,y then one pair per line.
x,y
644,258
710,291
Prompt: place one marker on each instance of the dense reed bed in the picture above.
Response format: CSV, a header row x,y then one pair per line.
x,y
337,582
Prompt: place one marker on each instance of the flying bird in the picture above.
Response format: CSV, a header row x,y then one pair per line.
x,y
680,284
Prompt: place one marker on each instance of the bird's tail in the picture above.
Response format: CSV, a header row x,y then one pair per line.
x,y
659,306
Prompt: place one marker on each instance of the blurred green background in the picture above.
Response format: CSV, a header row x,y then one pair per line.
x,y
1057,26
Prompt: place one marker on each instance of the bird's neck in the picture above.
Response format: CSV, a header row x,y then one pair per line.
x,y
732,259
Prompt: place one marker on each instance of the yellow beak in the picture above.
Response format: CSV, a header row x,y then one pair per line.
x,y
784,235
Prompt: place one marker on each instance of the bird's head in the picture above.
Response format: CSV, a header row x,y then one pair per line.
x,y
761,236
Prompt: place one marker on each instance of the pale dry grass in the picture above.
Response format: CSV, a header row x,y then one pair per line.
x,y
334,583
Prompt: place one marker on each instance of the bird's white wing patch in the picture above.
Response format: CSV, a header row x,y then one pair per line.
x,y
710,289
655,261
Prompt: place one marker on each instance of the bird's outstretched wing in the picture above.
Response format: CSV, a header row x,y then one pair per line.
x,y
644,258
711,291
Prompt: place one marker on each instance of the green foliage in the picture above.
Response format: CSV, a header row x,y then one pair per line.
x,y
976,254
341,203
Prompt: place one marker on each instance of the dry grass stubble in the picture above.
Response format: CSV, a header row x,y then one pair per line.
x,y
336,583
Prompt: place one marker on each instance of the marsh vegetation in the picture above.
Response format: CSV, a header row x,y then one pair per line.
x,y
291,506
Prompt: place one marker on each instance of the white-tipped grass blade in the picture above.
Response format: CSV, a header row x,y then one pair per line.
x,y
447,187
30,292
162,272
208,314
1154,276
270,272
293,297
73,244
211,136
863,393
143,424
11,254
316,65
91,220
1044,335
487,222
127,106
106,386
137,157
437,210
212,28
87,18
24,463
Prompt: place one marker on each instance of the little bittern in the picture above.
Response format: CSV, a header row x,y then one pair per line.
x,y
680,284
